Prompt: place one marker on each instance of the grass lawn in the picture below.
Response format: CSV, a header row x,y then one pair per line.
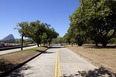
x,y
10,60
105,57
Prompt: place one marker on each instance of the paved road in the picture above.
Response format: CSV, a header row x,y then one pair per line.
x,y
14,50
58,62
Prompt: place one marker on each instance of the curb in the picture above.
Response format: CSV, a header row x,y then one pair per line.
x,y
20,65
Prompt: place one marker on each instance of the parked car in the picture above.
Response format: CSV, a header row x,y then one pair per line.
x,y
2,44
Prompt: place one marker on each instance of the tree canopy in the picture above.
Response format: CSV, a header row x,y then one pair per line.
x,y
94,19
39,32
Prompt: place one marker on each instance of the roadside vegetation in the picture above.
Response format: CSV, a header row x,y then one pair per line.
x,y
40,33
10,60
94,21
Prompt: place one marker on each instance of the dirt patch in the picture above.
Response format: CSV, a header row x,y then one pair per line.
x,y
10,60
105,57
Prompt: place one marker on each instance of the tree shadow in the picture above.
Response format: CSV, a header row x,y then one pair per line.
x,y
54,47
5,65
45,46
17,73
101,72
8,69
44,52
39,51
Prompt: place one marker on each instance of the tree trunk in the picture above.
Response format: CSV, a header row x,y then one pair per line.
x,y
96,44
80,43
72,44
104,44
22,42
38,45
69,43
48,44
44,44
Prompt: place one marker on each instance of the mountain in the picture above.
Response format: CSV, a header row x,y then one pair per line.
x,y
9,37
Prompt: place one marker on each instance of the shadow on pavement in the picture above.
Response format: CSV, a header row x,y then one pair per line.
x,y
17,73
101,72
54,47
44,52
38,50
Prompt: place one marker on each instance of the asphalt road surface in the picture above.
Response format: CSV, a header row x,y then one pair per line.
x,y
14,50
58,62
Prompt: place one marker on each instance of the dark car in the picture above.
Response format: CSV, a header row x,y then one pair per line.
x,y
2,44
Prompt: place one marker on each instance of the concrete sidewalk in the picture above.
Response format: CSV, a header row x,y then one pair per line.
x,y
14,50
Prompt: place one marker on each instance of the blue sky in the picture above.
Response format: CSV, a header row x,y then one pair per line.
x,y
54,12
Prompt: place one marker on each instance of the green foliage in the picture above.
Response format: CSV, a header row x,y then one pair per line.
x,y
44,38
39,32
60,40
67,38
28,42
113,40
95,20
20,41
51,34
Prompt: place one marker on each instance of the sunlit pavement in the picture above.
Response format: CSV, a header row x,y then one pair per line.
x,y
58,62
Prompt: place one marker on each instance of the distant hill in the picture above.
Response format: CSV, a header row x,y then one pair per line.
x,y
9,37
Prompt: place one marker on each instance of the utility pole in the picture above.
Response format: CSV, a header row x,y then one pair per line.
x,y
22,41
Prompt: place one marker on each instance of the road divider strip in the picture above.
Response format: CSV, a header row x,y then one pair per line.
x,y
57,65
80,71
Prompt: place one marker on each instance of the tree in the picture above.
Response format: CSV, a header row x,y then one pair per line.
x,y
95,19
44,38
39,32
104,15
60,40
22,31
51,34
67,38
